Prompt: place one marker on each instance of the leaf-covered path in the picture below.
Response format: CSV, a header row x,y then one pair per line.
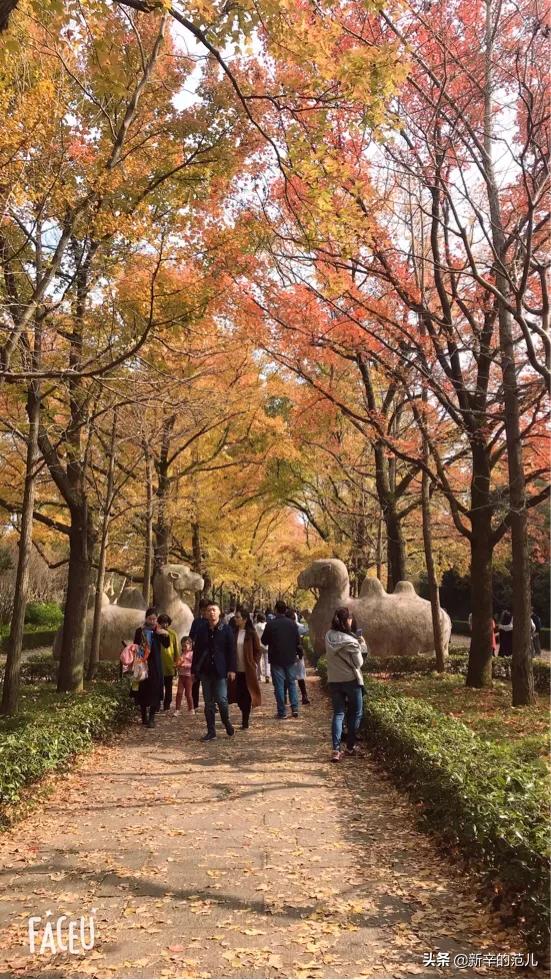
x,y
244,857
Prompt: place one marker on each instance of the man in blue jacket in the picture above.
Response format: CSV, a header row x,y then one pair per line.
x,y
214,661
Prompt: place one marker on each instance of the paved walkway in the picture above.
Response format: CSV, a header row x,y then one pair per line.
x,y
244,857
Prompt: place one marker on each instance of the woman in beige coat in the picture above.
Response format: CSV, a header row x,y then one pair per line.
x,y
245,690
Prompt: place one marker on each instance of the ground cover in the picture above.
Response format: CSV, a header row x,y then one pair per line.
x,y
525,731
49,730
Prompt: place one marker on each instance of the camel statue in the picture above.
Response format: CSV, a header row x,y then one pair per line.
x,y
119,623
170,584
395,624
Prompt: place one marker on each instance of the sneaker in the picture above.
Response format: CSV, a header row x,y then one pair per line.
x,y
295,714
208,737
306,702
176,713
280,717
336,755
230,730
356,751
244,727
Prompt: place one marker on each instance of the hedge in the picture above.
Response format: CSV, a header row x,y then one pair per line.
x,y
461,628
502,667
472,795
456,663
31,639
44,614
42,667
54,737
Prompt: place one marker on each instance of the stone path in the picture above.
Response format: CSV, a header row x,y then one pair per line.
x,y
244,857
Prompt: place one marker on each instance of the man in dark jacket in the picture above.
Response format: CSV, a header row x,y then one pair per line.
x,y
214,661
199,620
282,638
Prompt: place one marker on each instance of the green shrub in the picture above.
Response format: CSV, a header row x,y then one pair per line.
x,y
456,663
51,738
472,795
478,796
43,614
461,627
32,639
501,670
42,667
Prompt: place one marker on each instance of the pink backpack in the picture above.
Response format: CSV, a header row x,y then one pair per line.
x,y
127,656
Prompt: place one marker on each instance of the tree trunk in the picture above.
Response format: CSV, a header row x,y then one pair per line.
x,y
71,662
479,673
197,557
148,562
162,528
522,672
93,659
434,593
10,691
395,546
379,551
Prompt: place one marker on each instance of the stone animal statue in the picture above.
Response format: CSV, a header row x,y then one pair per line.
x,y
171,583
394,624
131,599
119,623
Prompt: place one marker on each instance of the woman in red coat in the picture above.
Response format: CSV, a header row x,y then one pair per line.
x,y
245,690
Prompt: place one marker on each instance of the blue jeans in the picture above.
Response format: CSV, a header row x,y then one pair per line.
x,y
280,676
215,692
346,696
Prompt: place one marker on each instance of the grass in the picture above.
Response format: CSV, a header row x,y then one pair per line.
x,y
488,712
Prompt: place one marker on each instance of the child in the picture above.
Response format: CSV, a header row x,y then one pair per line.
x,y
185,679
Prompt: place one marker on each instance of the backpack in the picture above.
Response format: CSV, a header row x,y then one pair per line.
x,y
127,657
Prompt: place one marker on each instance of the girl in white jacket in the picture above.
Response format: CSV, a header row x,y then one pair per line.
x,y
344,654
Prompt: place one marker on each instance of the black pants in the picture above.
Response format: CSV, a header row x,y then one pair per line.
x,y
195,688
168,681
303,691
148,714
243,698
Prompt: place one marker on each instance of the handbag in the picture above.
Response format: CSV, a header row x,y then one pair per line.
x,y
357,670
140,670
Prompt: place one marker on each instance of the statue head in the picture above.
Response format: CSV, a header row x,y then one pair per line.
x,y
325,574
181,577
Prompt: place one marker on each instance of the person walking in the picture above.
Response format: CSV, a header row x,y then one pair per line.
x,y
344,655
200,618
169,656
300,666
185,678
506,634
151,638
282,639
264,666
214,662
245,690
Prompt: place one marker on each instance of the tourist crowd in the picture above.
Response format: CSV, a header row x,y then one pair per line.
x,y
229,657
